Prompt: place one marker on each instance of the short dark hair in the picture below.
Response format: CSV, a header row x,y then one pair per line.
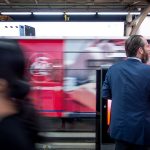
x,y
132,44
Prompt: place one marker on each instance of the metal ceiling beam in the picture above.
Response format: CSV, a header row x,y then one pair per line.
x,y
73,5
70,4
140,20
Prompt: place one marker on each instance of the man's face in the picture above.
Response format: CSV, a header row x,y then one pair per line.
x,y
146,52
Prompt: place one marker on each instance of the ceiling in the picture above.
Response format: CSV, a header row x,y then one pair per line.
x,y
73,5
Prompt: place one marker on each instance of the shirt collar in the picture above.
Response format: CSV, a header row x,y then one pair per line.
x,y
135,58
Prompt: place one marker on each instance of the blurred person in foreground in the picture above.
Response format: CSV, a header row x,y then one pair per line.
x,y
127,83
18,124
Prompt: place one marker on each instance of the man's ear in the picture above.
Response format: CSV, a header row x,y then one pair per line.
x,y
140,50
3,85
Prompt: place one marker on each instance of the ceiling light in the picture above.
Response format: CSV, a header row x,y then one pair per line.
x,y
118,13
48,13
80,13
112,13
16,13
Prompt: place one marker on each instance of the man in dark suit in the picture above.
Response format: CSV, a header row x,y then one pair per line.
x,y
128,85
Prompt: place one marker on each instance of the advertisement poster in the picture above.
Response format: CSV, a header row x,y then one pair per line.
x,y
45,73
62,73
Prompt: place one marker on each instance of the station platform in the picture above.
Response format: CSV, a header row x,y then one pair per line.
x,y
72,146
71,141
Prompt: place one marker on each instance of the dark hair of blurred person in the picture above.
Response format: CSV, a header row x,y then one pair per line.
x,y
18,124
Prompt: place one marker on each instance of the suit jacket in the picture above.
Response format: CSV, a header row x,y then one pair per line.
x,y
128,85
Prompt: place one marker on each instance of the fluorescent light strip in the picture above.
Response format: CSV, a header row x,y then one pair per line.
x,y
135,13
112,13
16,13
71,13
80,13
48,13
118,13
